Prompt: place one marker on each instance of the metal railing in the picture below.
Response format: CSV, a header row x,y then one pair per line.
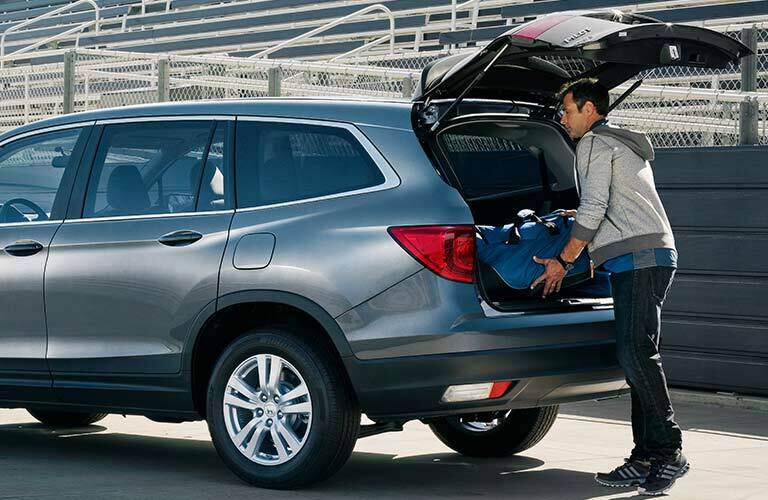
x,y
320,29
456,7
676,106
28,22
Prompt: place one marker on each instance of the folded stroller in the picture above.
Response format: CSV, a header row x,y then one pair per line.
x,y
509,250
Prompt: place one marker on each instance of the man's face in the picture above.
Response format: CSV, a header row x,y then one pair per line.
x,y
577,122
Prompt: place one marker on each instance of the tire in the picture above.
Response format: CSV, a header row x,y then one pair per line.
x,y
66,418
513,432
324,437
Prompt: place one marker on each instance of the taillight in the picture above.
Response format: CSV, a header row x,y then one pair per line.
x,y
448,251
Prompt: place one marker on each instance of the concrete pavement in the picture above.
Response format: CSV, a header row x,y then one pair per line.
x,y
133,458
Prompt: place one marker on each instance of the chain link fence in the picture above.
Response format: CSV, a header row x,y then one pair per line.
x,y
676,106
29,94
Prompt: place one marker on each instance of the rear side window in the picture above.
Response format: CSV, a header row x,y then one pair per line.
x,y
282,162
151,168
506,165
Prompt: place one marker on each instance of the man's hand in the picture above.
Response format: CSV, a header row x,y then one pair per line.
x,y
552,277
568,213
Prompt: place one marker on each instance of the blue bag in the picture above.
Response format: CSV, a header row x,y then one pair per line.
x,y
510,249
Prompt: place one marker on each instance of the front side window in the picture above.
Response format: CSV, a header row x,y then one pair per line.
x,y
282,162
31,173
146,168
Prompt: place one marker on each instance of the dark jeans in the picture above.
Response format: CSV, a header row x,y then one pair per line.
x,y
638,296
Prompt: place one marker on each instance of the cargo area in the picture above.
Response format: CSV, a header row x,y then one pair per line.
x,y
502,164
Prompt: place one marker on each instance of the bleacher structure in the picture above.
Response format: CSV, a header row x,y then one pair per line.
x,y
59,56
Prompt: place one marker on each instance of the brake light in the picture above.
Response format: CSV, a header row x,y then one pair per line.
x,y
448,251
534,29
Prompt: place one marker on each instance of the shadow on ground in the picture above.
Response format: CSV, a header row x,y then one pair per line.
x,y
90,463
692,417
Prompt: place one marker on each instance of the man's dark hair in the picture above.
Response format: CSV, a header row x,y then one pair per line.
x,y
587,89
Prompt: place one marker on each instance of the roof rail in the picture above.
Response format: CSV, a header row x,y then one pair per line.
x,y
34,45
375,7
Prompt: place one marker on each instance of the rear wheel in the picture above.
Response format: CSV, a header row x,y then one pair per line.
x,y
66,418
281,412
495,434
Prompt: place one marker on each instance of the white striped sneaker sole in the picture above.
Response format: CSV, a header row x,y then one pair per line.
x,y
625,484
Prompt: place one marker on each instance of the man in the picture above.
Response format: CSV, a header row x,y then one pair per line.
x,y
623,223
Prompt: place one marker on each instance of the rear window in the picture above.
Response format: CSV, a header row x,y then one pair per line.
x,y
487,165
282,162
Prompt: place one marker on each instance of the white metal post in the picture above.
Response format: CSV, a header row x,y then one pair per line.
x,y
749,114
69,81
163,80
274,75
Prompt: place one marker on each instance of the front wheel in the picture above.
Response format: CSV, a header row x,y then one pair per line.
x,y
495,434
66,418
280,410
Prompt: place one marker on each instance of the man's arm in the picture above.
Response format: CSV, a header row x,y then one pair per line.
x,y
573,249
554,272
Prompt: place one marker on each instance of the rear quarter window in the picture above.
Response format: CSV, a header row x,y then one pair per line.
x,y
282,162
487,165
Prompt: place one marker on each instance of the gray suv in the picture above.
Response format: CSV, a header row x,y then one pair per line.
x,y
278,267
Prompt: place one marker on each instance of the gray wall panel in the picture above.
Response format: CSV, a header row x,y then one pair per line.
x,y
738,374
715,321
718,252
715,336
744,166
729,208
721,296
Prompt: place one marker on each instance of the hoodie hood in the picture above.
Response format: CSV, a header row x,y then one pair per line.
x,y
636,141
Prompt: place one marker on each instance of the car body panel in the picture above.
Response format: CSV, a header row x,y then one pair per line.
x,y
115,294
125,313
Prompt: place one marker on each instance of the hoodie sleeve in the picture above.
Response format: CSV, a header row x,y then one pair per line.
x,y
594,166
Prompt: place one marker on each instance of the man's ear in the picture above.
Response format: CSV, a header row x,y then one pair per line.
x,y
589,108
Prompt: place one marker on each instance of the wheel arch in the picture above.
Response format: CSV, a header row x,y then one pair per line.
x,y
238,312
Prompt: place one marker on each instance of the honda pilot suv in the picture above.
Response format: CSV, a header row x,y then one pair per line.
x,y
278,267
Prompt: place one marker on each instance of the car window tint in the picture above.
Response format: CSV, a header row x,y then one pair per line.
x,y
31,171
281,162
147,168
507,166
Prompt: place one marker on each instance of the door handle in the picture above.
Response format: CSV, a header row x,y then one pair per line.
x,y
180,238
24,248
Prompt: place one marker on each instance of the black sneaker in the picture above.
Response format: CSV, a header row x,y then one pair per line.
x,y
632,473
663,475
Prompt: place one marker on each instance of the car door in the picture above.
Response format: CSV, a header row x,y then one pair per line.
x,y
36,174
139,261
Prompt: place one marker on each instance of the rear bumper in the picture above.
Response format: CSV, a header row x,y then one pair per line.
x,y
412,387
424,334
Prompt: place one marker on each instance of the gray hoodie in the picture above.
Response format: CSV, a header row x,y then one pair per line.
x,y
620,210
